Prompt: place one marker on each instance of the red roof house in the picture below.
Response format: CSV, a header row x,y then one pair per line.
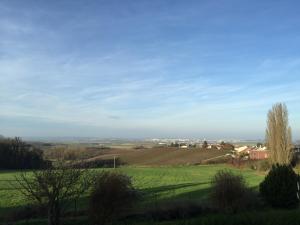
x,y
259,154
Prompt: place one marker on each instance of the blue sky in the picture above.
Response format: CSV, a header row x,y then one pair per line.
x,y
141,69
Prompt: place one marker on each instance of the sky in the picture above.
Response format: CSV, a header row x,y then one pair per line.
x,y
147,69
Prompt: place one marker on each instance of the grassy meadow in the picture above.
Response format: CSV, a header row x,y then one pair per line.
x,y
158,184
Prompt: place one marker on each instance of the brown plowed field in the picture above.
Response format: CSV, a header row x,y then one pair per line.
x,y
161,156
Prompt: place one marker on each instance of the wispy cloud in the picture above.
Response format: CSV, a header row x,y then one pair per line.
x,y
143,68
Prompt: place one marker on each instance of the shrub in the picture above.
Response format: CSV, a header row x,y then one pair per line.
x,y
27,212
295,160
227,146
98,163
219,160
230,193
264,165
111,194
260,165
279,187
176,210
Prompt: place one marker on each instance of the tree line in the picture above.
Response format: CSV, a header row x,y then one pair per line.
x,y
16,154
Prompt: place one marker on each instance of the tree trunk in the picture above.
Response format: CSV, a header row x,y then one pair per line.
x,y
51,216
54,214
57,213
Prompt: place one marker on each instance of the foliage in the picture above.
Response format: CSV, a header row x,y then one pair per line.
x,y
176,145
99,163
139,147
229,192
16,154
264,165
111,194
204,145
279,187
28,212
259,144
264,217
53,187
260,165
174,210
192,146
218,160
279,135
227,146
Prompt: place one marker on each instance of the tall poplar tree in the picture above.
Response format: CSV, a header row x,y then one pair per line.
x,y
279,135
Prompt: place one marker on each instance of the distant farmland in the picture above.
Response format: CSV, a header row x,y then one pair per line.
x,y
162,156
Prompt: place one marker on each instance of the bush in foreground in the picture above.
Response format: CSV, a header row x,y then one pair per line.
x,y
272,217
230,192
176,210
260,165
111,194
53,188
279,187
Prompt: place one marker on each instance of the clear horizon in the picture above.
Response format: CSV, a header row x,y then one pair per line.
x,y
140,69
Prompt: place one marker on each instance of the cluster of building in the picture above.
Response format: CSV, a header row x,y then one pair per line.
x,y
258,152
189,145
254,152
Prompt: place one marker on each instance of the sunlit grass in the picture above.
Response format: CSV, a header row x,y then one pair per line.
x,y
156,183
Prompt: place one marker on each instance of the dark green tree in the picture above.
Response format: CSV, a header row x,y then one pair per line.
x,y
279,187
204,145
16,154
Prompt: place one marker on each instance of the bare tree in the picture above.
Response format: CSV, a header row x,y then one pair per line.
x,y
53,188
279,135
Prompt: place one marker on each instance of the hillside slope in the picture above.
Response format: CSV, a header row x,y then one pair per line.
x,y
161,156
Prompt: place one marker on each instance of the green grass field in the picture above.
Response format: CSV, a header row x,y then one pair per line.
x,y
157,183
